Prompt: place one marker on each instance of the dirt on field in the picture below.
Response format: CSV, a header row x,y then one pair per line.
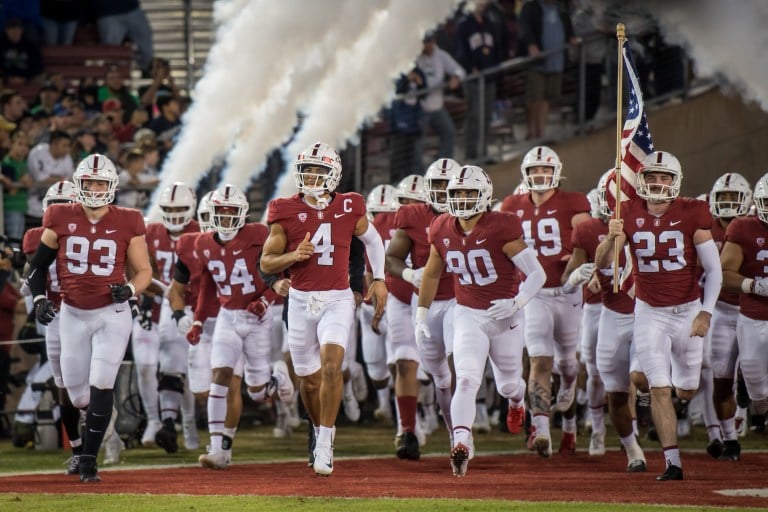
x,y
512,477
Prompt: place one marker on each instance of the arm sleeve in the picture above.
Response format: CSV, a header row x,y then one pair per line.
x,y
356,265
710,261
181,273
535,277
269,279
38,269
374,248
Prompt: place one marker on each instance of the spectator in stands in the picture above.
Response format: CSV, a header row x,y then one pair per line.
x,y
116,19
113,109
169,114
162,82
15,173
60,18
57,79
46,98
115,87
478,48
544,27
48,162
136,181
151,156
102,129
440,69
6,128
12,105
28,11
39,129
89,94
21,62
83,144
134,118
406,126
9,298
587,24
144,136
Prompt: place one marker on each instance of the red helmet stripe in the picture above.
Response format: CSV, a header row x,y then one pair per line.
x,y
727,180
659,157
383,193
95,168
173,193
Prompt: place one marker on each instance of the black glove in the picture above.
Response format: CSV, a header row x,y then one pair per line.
x,y
44,311
121,292
144,311
135,311
178,315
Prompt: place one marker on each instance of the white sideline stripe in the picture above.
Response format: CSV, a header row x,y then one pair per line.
x,y
758,493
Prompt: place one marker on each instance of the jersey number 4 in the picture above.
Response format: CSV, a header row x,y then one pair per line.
x,y
323,244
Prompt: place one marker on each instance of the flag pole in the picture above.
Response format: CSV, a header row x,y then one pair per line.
x,y
620,37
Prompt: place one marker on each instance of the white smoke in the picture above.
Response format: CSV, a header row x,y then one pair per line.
x,y
333,60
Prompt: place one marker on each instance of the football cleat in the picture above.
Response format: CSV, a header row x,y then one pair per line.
x,y
636,466
73,465
166,437
568,444
113,447
715,448
88,472
515,419
543,445
284,385
151,430
731,451
459,459
597,443
216,460
565,397
671,473
408,446
323,464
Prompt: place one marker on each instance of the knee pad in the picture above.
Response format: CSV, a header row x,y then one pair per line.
x,y
171,382
514,388
567,368
467,383
378,371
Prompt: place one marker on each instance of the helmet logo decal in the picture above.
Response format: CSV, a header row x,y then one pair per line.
x,y
659,157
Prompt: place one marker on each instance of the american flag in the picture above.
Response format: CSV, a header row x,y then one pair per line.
x,y
636,142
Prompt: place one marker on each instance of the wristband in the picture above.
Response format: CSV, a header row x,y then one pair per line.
x,y
421,313
747,286
39,297
408,274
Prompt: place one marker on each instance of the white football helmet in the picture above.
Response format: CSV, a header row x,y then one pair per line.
x,y
315,183
660,161
541,156
177,206
470,177
602,194
521,189
441,170
60,192
412,187
95,167
594,203
383,198
760,198
228,207
204,212
735,183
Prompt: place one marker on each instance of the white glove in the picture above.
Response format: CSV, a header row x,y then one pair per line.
x,y
760,287
413,276
503,308
581,274
421,329
184,325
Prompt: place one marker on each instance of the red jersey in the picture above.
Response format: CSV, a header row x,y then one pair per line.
x,y
751,234
415,219
161,244
231,267
481,271
663,253
29,245
587,236
548,228
385,224
92,255
718,235
330,230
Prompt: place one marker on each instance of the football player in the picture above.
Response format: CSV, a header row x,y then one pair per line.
x,y
310,234
666,234
98,245
483,250
552,319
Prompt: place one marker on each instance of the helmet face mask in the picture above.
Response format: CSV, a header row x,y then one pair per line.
x,y
95,168
177,206
730,197
317,170
660,178
436,179
60,193
228,208
541,168
204,212
469,193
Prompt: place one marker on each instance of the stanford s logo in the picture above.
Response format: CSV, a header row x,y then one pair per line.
x,y
760,241
519,213
72,227
207,253
302,216
156,243
639,222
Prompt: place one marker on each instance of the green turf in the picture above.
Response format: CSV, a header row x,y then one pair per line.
x,y
143,503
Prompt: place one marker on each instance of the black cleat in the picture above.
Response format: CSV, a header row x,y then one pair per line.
x,y
715,448
408,447
636,466
166,437
89,474
671,473
73,465
731,451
